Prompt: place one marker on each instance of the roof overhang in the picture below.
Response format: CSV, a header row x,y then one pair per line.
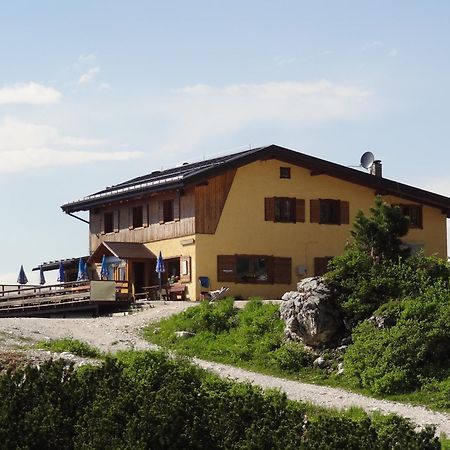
x,y
380,185
122,250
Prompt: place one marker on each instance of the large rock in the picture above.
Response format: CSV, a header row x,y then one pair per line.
x,y
309,313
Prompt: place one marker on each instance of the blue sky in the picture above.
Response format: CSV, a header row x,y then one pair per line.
x,y
95,92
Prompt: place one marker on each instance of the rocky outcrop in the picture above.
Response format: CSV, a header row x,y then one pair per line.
x,y
309,313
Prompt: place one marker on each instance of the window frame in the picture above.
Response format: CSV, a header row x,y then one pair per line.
x,y
333,211
137,217
285,173
285,210
108,225
406,209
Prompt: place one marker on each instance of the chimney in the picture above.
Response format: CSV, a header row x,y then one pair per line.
x,y
377,168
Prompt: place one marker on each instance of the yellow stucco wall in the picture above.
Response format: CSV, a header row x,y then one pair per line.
x,y
243,230
174,248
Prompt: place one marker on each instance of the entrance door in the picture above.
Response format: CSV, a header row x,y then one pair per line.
x,y
138,276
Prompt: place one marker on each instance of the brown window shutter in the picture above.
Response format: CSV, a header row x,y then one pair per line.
x,y
130,218
269,209
102,223
314,211
282,270
116,220
226,268
161,211
345,212
145,215
321,265
185,269
299,210
176,207
420,216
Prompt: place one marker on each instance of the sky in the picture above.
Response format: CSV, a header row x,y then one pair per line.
x,y
93,93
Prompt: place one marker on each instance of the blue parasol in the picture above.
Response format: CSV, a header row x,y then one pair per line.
x,y
22,278
41,276
82,270
159,270
61,274
104,272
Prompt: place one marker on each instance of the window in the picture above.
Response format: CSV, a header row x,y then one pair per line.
x,y
330,211
168,212
254,269
284,209
326,211
321,265
285,172
108,222
138,219
414,212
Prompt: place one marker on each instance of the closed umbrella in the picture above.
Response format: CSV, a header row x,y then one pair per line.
x,y
104,269
41,276
61,274
82,270
85,271
159,270
22,278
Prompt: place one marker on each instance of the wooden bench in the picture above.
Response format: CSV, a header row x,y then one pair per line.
x,y
177,290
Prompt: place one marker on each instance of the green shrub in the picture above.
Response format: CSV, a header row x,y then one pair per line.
x,y
147,400
70,345
291,357
397,358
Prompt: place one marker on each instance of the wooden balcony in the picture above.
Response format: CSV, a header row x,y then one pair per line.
x,y
63,298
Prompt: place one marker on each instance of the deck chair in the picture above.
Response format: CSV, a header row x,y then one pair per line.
x,y
217,295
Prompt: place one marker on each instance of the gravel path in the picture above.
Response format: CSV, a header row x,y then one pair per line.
x,y
121,332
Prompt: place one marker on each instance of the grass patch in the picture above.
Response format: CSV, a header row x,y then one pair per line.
x,y
252,338
69,345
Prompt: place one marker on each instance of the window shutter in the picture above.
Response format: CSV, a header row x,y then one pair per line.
x,y
282,270
185,269
226,268
102,223
321,265
145,215
269,209
116,220
345,212
161,211
419,216
176,207
314,211
130,218
299,210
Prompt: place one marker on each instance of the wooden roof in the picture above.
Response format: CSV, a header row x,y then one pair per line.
x,y
121,250
189,174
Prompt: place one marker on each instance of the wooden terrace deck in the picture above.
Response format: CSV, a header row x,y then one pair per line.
x,y
63,298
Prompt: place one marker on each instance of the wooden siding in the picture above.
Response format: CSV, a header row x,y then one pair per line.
x,y
209,202
152,229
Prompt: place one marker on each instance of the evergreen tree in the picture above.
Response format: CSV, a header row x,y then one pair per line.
x,y
379,234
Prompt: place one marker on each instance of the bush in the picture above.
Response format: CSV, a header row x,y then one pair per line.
x,y
397,358
147,400
70,345
291,357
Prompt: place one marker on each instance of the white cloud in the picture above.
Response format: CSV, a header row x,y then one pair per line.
x,y
25,146
393,52
103,86
89,75
32,93
86,58
200,111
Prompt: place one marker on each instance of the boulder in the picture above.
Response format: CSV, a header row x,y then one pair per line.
x,y
309,314
184,334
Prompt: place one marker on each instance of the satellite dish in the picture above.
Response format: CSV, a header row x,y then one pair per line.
x,y
367,160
